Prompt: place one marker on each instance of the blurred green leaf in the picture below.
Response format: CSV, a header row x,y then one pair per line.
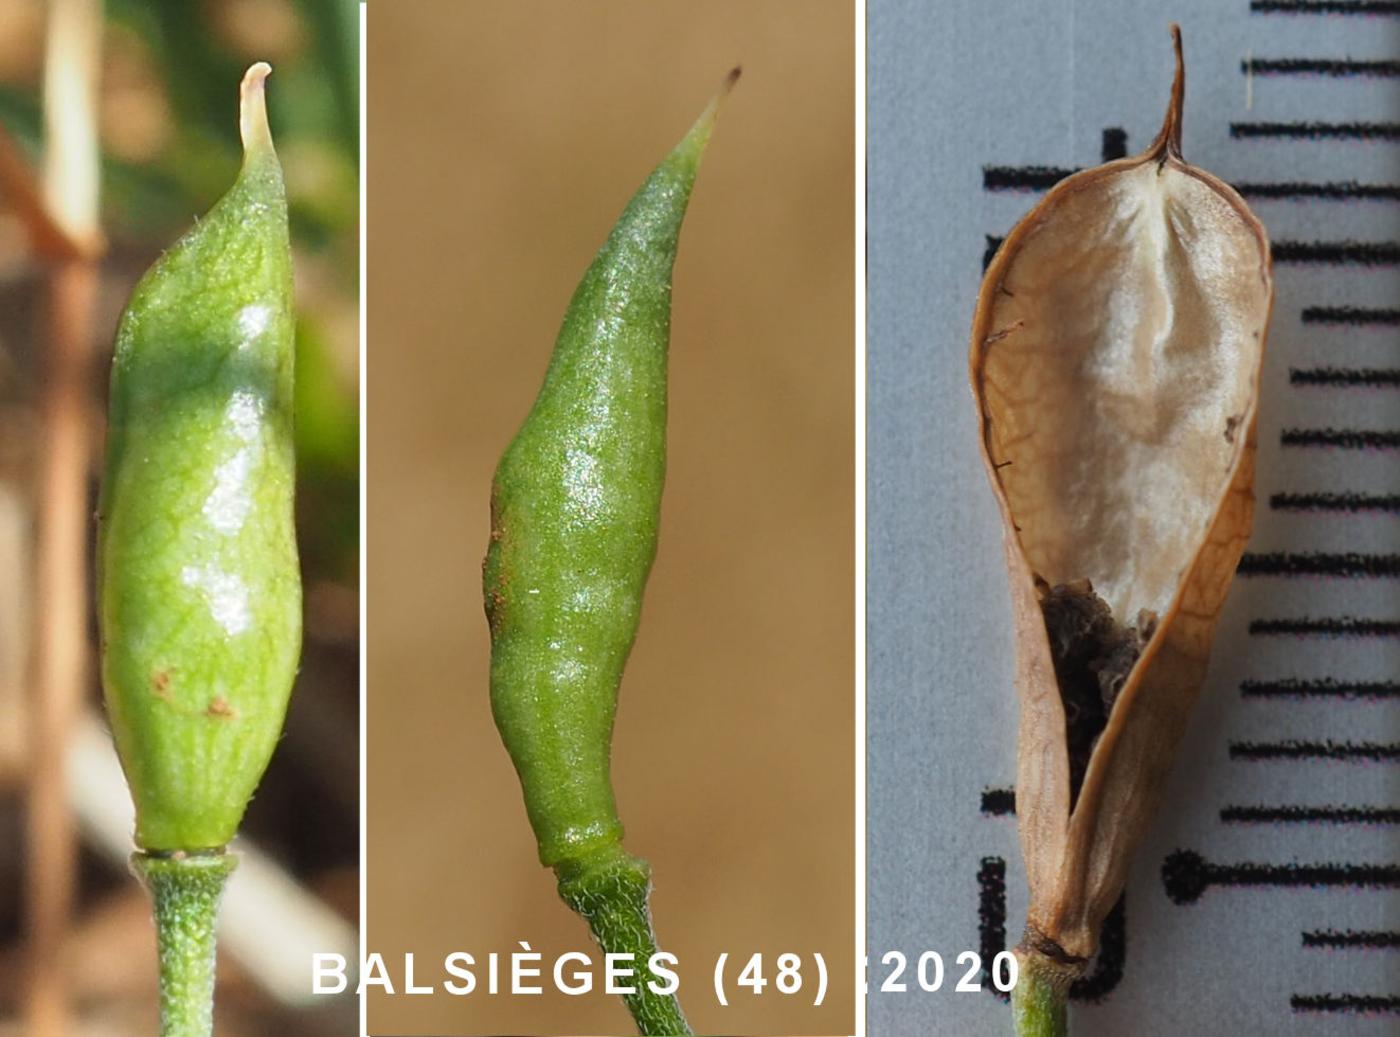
x,y
328,459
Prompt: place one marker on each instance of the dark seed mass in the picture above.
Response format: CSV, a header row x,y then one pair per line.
x,y
1093,657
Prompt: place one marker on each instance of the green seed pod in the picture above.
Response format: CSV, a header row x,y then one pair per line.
x,y
574,513
199,590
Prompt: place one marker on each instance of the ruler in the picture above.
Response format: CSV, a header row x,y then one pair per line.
x,y
1267,898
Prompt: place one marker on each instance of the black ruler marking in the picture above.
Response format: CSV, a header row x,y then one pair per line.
x,y
1186,875
998,802
993,243
1383,131
1349,938
1326,688
1114,144
1338,253
1347,1004
1342,7
1360,377
1359,316
1292,749
1349,564
1341,439
991,917
1341,191
1297,814
1347,503
1326,626
1023,178
1331,67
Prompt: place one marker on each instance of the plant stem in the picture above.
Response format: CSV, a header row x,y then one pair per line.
x,y
611,890
186,889
1038,1004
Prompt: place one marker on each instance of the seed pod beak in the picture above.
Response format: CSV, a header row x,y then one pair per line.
x,y
692,146
724,90
252,111
1168,141
730,80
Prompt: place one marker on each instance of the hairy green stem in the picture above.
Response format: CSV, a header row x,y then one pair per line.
x,y
185,889
611,890
1038,1004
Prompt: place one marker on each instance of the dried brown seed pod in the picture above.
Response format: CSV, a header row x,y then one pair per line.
x,y
1115,361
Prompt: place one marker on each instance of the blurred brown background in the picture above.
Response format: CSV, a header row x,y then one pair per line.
x,y
504,141
119,123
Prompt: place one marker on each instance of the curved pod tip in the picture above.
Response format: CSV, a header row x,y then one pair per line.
x,y
703,125
1168,142
252,109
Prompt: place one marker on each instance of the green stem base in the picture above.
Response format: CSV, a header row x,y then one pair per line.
x,y
185,888
612,891
1039,1002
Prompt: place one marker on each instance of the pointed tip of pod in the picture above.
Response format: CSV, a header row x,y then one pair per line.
x,y
725,87
1168,142
724,90
699,135
252,109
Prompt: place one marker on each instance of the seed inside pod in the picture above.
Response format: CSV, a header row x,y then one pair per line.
x,y
1115,359
1093,657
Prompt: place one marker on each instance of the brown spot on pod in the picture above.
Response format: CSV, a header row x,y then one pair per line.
x,y
1119,330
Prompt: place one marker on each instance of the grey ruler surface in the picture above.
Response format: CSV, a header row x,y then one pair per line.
x,y
1267,898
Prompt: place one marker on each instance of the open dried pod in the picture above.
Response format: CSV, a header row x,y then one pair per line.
x,y
1115,361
